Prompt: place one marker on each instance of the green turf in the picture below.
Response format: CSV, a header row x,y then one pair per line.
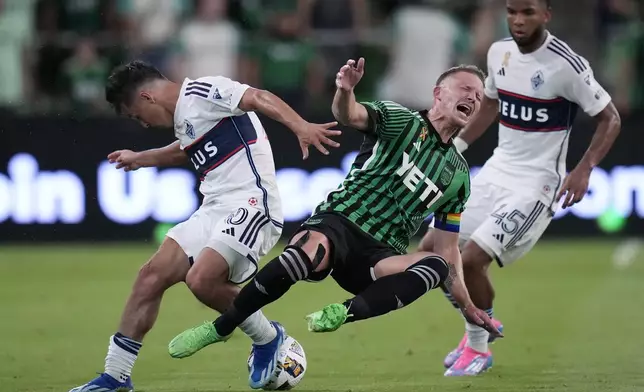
x,y
573,323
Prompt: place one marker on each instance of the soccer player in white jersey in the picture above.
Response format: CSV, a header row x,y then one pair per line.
x,y
536,84
240,219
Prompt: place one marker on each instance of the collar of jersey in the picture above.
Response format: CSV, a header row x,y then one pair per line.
x,y
529,56
178,121
433,131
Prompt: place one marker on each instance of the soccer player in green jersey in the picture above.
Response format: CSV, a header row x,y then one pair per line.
x,y
406,170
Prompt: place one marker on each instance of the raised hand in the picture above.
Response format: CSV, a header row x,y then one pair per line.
x,y
350,74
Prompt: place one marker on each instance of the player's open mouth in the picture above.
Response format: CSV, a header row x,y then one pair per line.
x,y
464,108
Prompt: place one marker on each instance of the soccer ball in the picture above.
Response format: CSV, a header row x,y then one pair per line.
x,y
292,362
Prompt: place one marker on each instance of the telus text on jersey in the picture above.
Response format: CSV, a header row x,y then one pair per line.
x,y
524,113
203,155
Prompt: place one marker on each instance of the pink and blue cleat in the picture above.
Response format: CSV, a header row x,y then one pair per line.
x,y
470,363
455,354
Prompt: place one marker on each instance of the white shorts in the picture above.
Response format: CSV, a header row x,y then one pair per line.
x,y
240,234
504,223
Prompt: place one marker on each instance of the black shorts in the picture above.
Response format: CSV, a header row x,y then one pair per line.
x,y
354,253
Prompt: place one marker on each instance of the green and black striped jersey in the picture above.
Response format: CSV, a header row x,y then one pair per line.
x,y
403,173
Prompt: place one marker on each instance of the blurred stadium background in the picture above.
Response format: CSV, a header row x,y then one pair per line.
x,y
73,230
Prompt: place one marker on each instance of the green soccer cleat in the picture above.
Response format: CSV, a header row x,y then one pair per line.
x,y
330,318
194,339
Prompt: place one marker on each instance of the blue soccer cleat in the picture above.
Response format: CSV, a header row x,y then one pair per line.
x,y
265,359
105,383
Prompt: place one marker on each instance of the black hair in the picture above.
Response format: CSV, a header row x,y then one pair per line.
x,y
125,79
547,3
473,69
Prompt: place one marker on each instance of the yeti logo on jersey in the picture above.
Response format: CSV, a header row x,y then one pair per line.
x,y
525,113
414,179
190,130
537,80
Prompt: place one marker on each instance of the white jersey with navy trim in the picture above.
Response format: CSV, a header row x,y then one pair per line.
x,y
538,94
228,147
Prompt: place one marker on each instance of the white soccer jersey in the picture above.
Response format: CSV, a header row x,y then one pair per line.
x,y
228,147
539,94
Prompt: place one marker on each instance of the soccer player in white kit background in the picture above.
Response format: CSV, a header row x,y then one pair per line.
x,y
240,218
535,84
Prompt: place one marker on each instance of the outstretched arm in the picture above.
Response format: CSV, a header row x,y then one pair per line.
x,y
272,106
446,245
169,155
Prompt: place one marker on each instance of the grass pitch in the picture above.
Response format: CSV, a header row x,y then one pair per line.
x,y
572,323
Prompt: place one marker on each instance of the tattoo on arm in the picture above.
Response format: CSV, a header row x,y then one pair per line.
x,y
451,277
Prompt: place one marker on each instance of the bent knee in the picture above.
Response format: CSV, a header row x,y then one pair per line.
x,y
432,269
315,246
200,282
